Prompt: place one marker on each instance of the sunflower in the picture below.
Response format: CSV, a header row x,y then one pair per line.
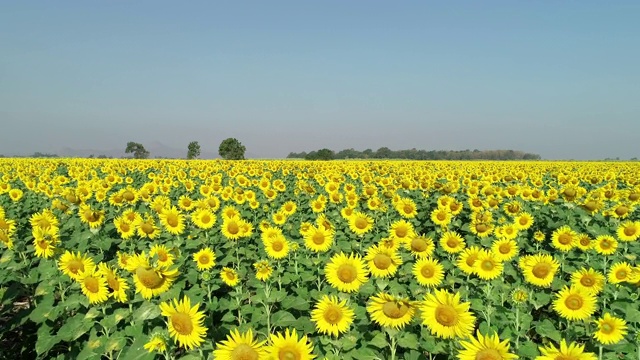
x,y
505,249
229,276
611,330
156,343
117,285
487,266
428,272
263,270
318,239
446,316
93,285
73,264
360,223
574,303
539,236
147,228
44,219
539,269
467,260
388,311
332,316
277,248
452,242
519,295
628,231
172,220
589,280
346,274
150,281
15,194
231,227
485,348
441,216
205,259
382,262
482,229
563,238
185,322
619,272
240,346
289,346
203,218
45,240
605,245
94,218
407,208
125,228
164,257
523,221
402,230
584,242
571,351
421,246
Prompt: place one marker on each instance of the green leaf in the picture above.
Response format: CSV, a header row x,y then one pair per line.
x,y
146,311
137,351
74,328
408,340
548,330
283,319
379,341
632,313
45,340
528,350
295,302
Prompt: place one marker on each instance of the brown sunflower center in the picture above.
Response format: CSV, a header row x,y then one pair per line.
x,y
408,209
318,238
471,260
182,323
574,302
401,231
587,281
541,270
446,315
289,353
347,273
124,227
244,352
43,244
487,265
481,228
361,223
441,216
630,231
128,195
92,284
605,244
565,239
488,354
622,210
75,266
162,256
427,271
419,245
607,328
523,221
113,283
452,243
504,249
149,278
233,228
204,259
205,219
172,220
277,246
621,274
382,261
395,309
332,314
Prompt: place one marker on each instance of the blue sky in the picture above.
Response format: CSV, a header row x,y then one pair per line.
x,y
557,78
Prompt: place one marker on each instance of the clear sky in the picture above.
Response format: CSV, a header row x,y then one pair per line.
x,y
557,78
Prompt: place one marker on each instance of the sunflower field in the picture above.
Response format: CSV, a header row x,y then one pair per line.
x,y
291,260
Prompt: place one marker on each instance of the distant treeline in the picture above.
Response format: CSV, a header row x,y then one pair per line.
x,y
413,154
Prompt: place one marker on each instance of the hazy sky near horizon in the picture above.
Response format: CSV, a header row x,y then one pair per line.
x,y
557,78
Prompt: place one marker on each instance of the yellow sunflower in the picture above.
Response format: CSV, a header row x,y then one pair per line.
x,y
73,264
318,239
611,330
125,228
485,348
231,227
203,218
172,220
605,245
571,351
452,242
240,346
263,270
574,303
229,276
589,280
164,257
205,259
290,346
504,249
156,343
332,316
539,269
388,311
446,316
441,216
421,246
117,285
346,273
487,266
93,285
150,281
402,230
628,231
563,238
523,221
428,272
360,223
185,322
467,260
619,272
147,228
383,262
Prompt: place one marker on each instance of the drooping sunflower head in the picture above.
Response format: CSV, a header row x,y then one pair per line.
x,y
389,311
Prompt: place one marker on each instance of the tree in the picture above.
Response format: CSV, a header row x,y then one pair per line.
x,y
231,149
193,150
322,154
139,152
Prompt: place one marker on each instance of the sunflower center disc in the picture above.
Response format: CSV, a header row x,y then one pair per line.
x,y
382,261
149,278
162,256
205,219
204,259
504,249
318,238
401,232
541,270
347,273
75,266
394,310
446,315
361,223
277,246
587,281
488,354
288,354
629,231
621,274
113,283
182,323
487,265
481,228
418,245
452,243
606,328
574,302
244,352
92,285
125,227
621,210
441,216
427,271
233,228
565,239
332,315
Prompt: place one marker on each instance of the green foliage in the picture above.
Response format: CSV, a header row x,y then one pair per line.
x,y
414,154
231,149
322,154
139,152
193,150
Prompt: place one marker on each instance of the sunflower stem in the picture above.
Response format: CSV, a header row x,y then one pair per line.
x,y
393,347
517,327
599,351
